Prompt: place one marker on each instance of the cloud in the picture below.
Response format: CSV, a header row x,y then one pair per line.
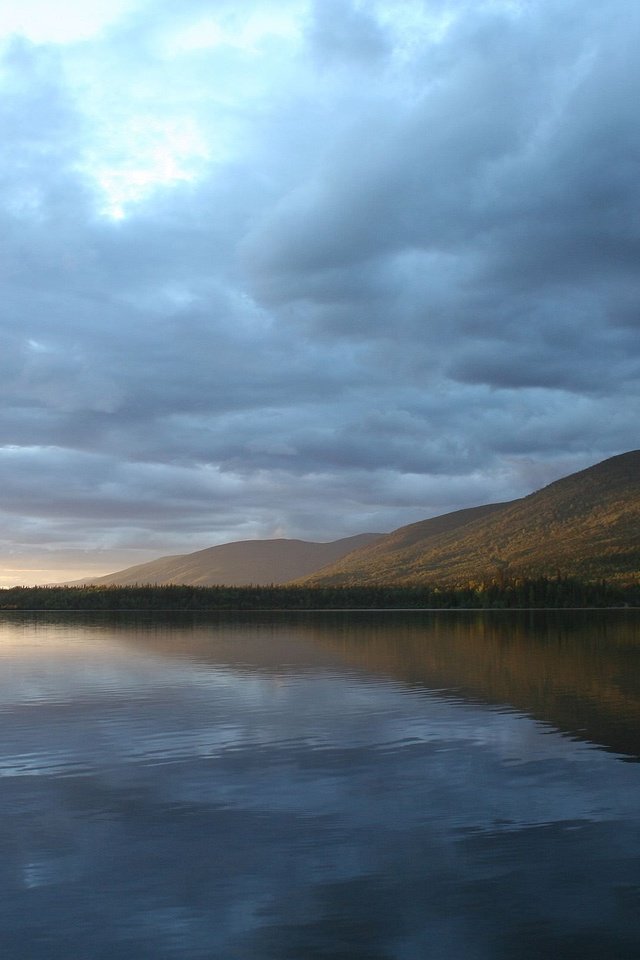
x,y
325,267
342,35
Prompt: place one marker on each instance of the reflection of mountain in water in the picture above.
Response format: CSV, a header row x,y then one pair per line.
x,y
576,670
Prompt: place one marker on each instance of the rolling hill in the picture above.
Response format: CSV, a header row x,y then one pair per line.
x,y
586,525
244,562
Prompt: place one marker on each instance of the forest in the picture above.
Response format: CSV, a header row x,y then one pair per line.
x,y
542,592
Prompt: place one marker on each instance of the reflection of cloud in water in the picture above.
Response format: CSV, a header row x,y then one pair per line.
x,y
171,807
144,710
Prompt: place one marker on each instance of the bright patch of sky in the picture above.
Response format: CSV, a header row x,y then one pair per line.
x,y
62,21
145,154
150,128
155,122
245,31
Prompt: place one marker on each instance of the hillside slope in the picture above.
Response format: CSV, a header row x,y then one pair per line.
x,y
586,525
241,563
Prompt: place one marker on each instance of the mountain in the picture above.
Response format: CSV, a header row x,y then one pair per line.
x,y
236,564
586,525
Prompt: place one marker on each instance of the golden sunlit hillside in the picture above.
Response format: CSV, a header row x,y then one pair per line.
x,y
586,525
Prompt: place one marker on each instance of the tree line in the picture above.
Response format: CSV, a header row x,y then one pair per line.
x,y
558,592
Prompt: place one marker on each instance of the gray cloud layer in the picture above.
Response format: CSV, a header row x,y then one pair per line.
x,y
350,265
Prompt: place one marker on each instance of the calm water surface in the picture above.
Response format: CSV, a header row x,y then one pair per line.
x,y
377,786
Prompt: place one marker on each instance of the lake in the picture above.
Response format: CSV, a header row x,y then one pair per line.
x,y
353,786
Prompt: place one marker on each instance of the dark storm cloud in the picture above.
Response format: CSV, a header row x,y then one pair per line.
x,y
515,170
339,266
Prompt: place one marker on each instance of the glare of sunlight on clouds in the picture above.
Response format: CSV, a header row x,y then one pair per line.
x,y
246,32
65,21
10,576
147,154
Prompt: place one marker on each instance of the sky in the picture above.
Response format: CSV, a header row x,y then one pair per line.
x,y
307,268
